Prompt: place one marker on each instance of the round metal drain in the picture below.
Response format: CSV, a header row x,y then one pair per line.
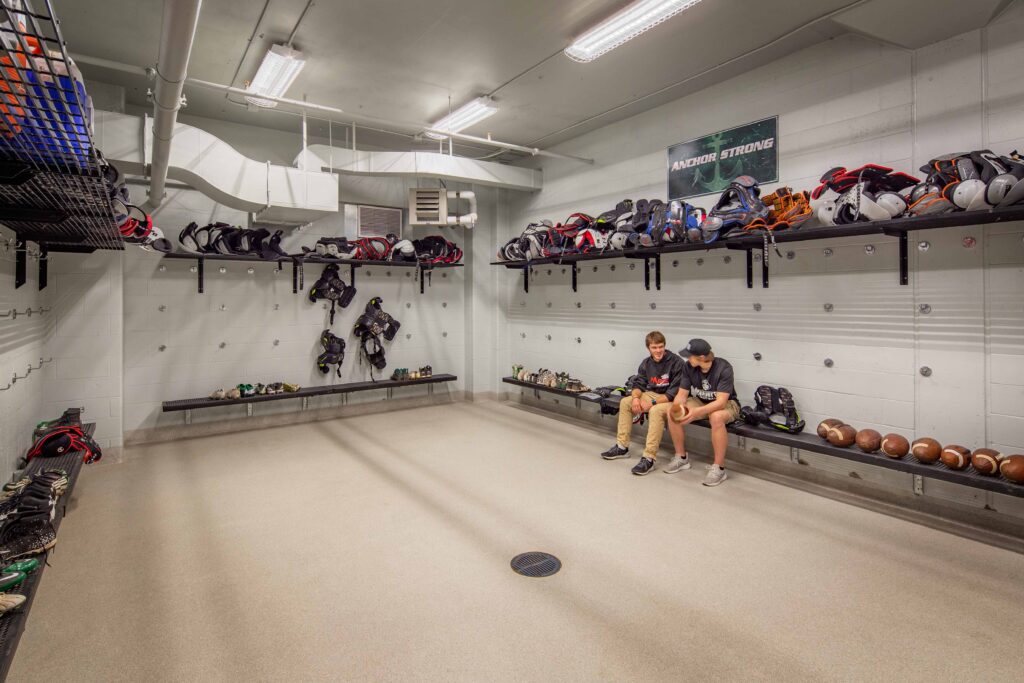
x,y
536,564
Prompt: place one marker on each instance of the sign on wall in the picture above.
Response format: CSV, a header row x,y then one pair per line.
x,y
706,165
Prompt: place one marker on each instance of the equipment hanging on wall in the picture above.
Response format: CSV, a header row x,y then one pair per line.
x,y
373,324
333,353
362,249
229,240
775,407
434,249
331,287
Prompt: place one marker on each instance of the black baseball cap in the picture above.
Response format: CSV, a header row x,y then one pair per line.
x,y
696,347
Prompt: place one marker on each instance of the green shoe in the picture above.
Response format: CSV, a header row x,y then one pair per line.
x,y
26,566
9,580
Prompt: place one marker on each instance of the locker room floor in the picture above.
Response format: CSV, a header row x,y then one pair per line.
x,y
378,548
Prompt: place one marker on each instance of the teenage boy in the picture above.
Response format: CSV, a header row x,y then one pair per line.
x,y
654,387
707,392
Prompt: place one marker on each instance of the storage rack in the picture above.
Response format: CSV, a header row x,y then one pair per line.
x,y
811,442
189,404
423,270
898,227
12,624
52,189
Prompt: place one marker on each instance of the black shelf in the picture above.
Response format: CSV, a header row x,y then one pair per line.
x,y
811,442
52,189
298,261
550,390
306,392
898,227
12,624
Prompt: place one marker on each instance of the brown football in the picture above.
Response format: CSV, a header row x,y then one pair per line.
x,y
955,457
986,461
926,450
895,446
1012,467
868,440
826,425
842,436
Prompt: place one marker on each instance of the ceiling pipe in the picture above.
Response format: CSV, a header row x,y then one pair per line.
x,y
178,30
283,100
534,151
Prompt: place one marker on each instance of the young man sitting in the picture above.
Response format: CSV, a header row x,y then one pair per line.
x,y
706,391
654,387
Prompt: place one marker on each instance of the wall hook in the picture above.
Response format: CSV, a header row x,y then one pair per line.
x,y
829,308
223,344
829,362
757,356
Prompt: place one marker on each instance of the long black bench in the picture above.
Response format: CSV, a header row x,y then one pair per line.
x,y
809,441
13,623
190,404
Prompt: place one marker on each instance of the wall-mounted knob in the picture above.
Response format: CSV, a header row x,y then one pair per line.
x,y
829,362
277,307
579,340
223,307
162,269
612,342
408,335
444,304
727,259
829,308
757,356
161,348
827,252
522,335
923,245
548,337
223,344
790,255
611,305
595,269
925,308
250,270
632,266
869,249
612,267
222,270
700,307
548,304
653,306
579,304
757,256
969,242
409,305
444,334
700,262
757,307
675,263
192,269
161,308
926,371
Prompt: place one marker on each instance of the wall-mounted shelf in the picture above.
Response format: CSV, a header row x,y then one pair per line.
x,y
898,227
423,270
52,189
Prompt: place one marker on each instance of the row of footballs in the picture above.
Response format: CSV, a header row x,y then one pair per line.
x,y
985,461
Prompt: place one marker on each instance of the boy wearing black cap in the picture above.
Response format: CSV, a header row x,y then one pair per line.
x,y
706,390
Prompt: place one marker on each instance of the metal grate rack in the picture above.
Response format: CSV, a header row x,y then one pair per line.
x,y
52,189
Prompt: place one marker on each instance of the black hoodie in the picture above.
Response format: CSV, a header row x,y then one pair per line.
x,y
660,377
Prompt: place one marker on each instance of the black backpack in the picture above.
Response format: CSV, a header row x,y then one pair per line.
x,y
771,403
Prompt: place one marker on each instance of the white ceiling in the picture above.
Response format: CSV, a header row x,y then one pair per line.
x,y
402,60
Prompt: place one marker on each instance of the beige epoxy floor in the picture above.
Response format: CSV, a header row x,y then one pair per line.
x,y
378,548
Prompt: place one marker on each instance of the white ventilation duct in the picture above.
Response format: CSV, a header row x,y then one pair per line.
x,y
177,32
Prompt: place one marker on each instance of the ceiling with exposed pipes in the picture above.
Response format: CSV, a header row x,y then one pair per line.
x,y
397,65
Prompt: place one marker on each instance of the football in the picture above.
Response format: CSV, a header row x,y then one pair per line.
x,y
869,440
986,461
827,425
926,450
842,436
677,412
1012,467
895,446
955,457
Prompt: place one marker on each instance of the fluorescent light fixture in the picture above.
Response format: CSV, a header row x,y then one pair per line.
x,y
623,26
279,69
462,118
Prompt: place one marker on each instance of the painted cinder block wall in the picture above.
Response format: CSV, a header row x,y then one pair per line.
x,y
847,101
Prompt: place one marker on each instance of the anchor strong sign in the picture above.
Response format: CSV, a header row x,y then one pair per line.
x,y
706,165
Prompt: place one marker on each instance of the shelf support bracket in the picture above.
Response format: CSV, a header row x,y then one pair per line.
x,y
200,262
526,279
904,260
20,264
657,272
764,265
44,260
575,281
295,277
750,269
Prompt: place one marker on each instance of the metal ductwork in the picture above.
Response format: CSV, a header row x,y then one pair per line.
x,y
180,19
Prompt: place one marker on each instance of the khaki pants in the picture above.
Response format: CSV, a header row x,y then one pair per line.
x,y
656,418
732,407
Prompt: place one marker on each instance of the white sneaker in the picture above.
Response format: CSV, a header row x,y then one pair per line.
x,y
715,476
678,464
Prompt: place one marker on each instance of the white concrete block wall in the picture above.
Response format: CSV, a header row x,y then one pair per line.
x,y
848,101
86,344
22,342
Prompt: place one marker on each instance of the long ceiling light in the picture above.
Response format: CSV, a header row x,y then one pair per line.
x,y
623,26
462,118
279,69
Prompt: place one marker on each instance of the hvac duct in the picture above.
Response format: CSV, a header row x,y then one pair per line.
x,y
180,19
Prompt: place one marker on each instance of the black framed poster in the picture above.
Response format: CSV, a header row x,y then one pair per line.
x,y
706,165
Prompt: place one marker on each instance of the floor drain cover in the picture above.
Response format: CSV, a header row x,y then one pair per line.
x,y
536,564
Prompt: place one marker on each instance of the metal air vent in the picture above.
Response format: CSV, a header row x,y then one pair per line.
x,y
428,206
377,221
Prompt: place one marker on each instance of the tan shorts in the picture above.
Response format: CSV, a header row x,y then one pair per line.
x,y
732,407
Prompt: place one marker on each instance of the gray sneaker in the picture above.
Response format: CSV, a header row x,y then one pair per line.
x,y
715,476
678,464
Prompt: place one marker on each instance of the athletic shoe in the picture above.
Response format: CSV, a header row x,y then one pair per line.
x,y
715,476
25,566
678,464
645,466
10,602
26,533
615,452
9,580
